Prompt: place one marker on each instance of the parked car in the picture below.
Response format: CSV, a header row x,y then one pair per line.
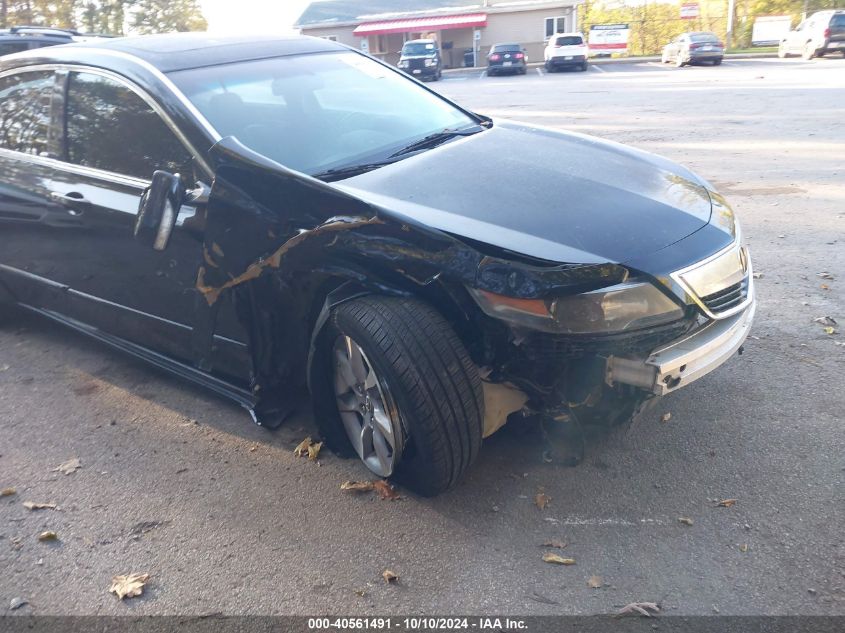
x,y
421,58
694,48
821,33
506,58
257,215
24,38
566,50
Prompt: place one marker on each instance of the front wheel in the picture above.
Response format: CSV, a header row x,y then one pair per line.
x,y
393,383
679,61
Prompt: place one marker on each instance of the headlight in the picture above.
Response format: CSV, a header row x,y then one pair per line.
x,y
627,306
430,62
403,63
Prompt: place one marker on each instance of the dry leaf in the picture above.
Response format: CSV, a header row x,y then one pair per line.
x,y
824,287
31,505
666,417
726,503
8,492
128,586
595,582
685,520
743,548
357,486
757,275
548,557
48,536
68,467
554,543
541,499
389,576
642,608
314,450
301,449
830,330
385,490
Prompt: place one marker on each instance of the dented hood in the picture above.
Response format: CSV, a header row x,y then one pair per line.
x,y
556,196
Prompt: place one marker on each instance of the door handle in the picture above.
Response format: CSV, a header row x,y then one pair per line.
x,y
74,202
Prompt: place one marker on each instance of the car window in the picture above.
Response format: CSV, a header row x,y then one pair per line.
x,y
838,21
506,48
319,111
25,103
7,48
110,127
569,40
419,48
704,37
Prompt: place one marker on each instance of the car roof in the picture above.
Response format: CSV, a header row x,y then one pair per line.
x,y
181,51
569,33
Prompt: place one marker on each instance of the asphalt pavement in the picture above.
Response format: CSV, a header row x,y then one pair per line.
x,y
179,484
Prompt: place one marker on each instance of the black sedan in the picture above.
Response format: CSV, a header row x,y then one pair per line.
x,y
506,58
694,48
263,215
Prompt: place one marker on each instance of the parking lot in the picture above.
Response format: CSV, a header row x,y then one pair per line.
x,y
226,519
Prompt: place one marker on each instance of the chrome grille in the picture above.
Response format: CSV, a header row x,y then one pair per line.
x,y
728,298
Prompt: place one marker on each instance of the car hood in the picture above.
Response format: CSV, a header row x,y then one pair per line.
x,y
556,196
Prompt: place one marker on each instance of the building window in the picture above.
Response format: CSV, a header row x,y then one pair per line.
x,y
378,45
555,25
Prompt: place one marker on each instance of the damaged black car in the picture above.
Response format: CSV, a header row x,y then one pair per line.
x,y
251,216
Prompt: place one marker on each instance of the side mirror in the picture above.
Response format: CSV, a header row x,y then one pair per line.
x,y
158,210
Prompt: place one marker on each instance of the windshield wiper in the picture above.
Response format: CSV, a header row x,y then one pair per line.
x,y
339,173
433,140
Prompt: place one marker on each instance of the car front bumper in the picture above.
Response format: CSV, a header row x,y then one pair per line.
x,y
686,359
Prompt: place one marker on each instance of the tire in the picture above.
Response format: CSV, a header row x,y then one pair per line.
x,y
584,67
809,51
549,67
426,376
679,62
717,61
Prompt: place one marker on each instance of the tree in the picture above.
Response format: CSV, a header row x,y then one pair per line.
x,y
163,16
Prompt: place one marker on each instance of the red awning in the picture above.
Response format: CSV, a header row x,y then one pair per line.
x,y
421,25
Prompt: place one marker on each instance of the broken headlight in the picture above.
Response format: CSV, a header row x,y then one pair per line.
x,y
627,306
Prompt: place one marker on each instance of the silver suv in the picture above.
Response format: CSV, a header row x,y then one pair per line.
x,y
821,33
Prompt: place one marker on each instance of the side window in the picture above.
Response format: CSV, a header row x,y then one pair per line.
x,y
25,102
110,127
7,48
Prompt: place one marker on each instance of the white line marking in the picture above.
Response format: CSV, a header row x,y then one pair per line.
x,y
539,72
595,67
483,74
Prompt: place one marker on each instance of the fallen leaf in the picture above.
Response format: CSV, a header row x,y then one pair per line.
x,y
726,503
301,449
825,320
665,417
32,505
17,603
824,287
360,592
595,582
685,520
314,450
68,467
8,492
757,275
48,536
253,448
549,557
128,586
743,548
357,486
389,576
385,490
554,543
541,499
641,608
830,330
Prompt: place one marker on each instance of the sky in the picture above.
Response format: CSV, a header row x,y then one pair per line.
x,y
252,16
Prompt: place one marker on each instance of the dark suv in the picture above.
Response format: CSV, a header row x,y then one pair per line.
x,y
421,58
24,38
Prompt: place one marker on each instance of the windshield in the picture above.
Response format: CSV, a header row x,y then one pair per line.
x,y
569,40
506,48
418,48
703,37
317,112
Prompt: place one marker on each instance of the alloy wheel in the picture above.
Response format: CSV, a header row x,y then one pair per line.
x,y
366,409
